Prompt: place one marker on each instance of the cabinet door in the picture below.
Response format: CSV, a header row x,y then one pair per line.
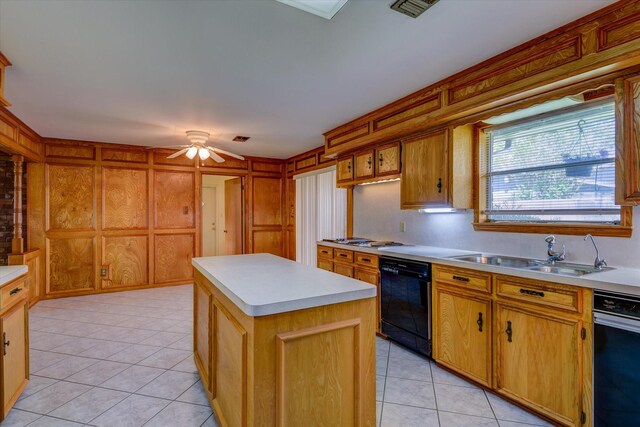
x,y
628,141
203,323
15,354
462,327
388,159
345,170
364,164
425,171
538,360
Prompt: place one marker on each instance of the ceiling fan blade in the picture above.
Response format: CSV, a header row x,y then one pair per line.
x,y
237,156
215,156
177,153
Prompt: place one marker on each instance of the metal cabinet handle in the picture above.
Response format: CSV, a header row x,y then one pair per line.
x,y
365,259
343,255
369,162
349,166
479,322
6,343
509,331
460,278
530,292
380,159
439,185
14,291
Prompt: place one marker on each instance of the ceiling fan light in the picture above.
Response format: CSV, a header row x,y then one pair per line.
x,y
191,152
203,153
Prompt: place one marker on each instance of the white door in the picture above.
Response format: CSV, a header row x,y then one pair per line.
x,y
209,226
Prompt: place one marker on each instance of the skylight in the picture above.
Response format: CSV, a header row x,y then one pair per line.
x,y
323,8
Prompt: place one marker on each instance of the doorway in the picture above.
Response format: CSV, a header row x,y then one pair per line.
x,y
222,215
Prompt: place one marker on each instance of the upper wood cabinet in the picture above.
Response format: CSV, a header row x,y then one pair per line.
x,y
364,164
437,170
388,159
345,170
628,141
370,165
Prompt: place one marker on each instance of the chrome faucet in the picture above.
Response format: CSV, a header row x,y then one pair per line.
x,y
553,255
599,263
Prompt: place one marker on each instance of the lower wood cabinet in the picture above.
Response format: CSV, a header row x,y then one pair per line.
x,y
358,265
462,326
538,361
527,340
14,332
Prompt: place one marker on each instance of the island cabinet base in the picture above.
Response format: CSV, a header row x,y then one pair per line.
x,y
313,366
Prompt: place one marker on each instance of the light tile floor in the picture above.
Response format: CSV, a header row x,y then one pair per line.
x,y
125,359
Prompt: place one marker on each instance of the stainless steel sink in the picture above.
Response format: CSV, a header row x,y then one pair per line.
x,y
502,261
568,269
530,264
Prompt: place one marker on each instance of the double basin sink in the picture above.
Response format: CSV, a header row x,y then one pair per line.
x,y
529,264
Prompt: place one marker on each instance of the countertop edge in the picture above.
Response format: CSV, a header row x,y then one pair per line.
x,y
18,270
605,280
284,306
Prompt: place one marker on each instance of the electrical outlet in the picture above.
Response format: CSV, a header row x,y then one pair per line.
x,y
403,226
104,271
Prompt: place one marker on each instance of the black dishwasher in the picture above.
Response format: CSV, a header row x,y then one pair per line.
x,y
616,359
406,303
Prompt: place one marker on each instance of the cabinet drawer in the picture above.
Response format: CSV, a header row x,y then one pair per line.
x,y
325,252
367,276
367,260
539,293
12,293
343,255
345,270
325,264
463,278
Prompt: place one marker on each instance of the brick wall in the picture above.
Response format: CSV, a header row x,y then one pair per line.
x,y
6,206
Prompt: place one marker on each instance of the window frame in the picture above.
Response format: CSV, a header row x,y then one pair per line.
x,y
481,223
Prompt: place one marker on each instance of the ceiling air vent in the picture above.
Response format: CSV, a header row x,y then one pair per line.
x,y
413,8
241,138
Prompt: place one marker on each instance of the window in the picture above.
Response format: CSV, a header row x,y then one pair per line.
x,y
558,167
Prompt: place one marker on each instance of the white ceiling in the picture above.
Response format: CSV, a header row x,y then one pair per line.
x,y
142,72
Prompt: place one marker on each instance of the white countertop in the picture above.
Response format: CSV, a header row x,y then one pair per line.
x,y
620,279
8,273
263,284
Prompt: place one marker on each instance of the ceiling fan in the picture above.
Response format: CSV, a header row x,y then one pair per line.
x,y
197,146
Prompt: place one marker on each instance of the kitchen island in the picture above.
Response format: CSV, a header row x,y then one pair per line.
x,y
280,343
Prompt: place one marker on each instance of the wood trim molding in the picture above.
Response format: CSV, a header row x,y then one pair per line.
x,y
603,42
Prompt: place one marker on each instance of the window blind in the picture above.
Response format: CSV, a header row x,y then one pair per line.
x,y
321,212
556,168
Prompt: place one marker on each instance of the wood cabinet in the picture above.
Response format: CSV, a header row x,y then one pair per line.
x,y
344,170
527,340
365,165
14,330
388,159
462,324
538,361
628,141
437,170
358,265
250,366
373,164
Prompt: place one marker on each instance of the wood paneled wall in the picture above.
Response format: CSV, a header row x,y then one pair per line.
x,y
112,217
